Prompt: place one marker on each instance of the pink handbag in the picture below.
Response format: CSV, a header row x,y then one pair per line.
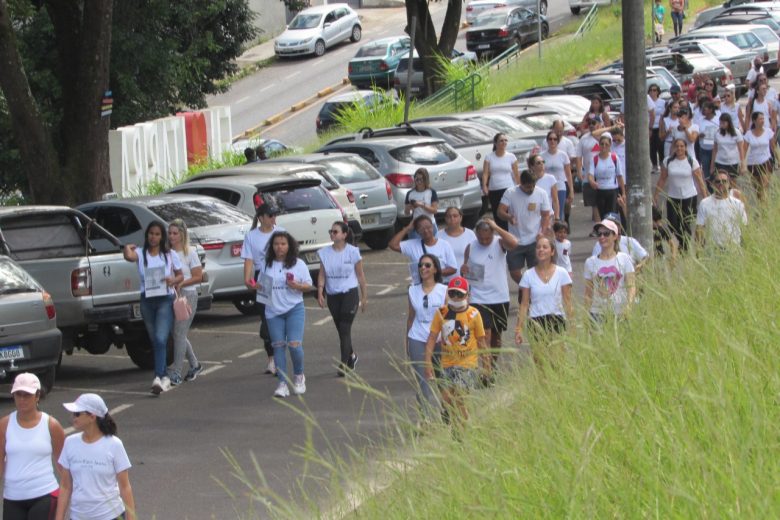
x,y
181,307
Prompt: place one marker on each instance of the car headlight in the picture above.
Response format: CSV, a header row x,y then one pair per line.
x,y
307,40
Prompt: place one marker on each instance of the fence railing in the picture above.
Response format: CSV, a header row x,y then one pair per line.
x,y
587,23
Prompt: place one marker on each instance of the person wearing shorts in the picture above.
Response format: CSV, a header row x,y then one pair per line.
x,y
462,346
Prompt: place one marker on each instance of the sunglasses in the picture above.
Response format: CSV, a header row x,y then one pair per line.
x,y
333,231
427,265
456,294
78,414
603,233
720,181
539,163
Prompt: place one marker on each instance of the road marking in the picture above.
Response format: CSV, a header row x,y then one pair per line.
x,y
265,88
245,98
388,289
251,353
323,321
209,370
113,411
291,75
219,331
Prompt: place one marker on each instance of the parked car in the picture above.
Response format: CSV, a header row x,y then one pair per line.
x,y
291,167
724,51
477,7
29,338
375,63
685,66
417,88
722,20
575,6
498,121
749,38
315,29
326,118
369,190
494,31
273,147
608,86
79,262
398,157
572,108
708,14
213,224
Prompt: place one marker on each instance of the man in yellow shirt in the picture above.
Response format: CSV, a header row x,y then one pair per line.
x,y
462,344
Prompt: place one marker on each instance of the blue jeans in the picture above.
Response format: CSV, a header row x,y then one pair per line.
x,y
562,203
157,313
705,160
425,397
677,22
286,330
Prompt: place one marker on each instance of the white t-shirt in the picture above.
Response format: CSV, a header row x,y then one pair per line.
x,y
728,147
669,124
722,219
487,273
681,134
188,263
28,472
620,151
759,150
566,145
458,245
500,170
339,268
763,107
659,106
283,298
546,298
427,197
707,130
679,184
413,250
155,265
425,306
563,254
546,183
587,143
606,171
733,111
609,282
93,468
555,164
628,245
255,244
527,210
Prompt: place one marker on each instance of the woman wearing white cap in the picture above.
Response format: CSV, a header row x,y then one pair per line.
x,y
609,277
30,442
94,481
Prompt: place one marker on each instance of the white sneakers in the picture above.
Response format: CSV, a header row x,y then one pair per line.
x,y
299,387
270,368
160,385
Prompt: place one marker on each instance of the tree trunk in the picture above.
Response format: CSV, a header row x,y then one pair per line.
x,y
39,158
426,43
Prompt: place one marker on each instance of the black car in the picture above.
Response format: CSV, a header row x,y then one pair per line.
x,y
745,19
496,30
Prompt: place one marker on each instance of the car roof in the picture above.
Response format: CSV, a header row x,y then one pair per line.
x,y
353,95
20,210
389,142
272,170
319,9
384,41
150,201
740,27
253,181
312,158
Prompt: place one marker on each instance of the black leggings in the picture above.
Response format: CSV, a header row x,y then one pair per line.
x,y
656,148
41,508
343,307
606,201
264,334
495,200
681,214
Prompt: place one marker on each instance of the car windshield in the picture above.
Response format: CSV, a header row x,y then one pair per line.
x,y
718,47
506,125
198,213
331,109
428,154
662,82
347,170
305,21
539,121
371,51
488,19
296,200
14,279
466,134
766,35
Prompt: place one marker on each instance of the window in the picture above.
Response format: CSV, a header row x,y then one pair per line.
x,y
197,213
367,155
347,170
14,279
296,200
49,235
120,222
463,134
232,197
425,154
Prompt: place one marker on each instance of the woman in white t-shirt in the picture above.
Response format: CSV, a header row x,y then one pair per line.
x,y
686,130
761,102
758,153
457,236
340,276
606,177
94,479
683,174
656,143
730,106
546,182
159,270
728,154
192,270
499,173
545,297
667,123
414,248
425,298
558,164
29,441
422,199
609,277
283,280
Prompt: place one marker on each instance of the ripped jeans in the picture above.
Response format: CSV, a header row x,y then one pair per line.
x,y
286,332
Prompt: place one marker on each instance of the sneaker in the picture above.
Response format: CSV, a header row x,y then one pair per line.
x,y
282,390
270,368
165,383
193,372
157,388
352,363
175,380
299,385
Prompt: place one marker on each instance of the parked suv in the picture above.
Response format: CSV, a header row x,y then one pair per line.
x,y
29,338
398,157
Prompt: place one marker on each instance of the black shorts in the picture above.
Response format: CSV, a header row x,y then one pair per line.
x,y
588,194
494,315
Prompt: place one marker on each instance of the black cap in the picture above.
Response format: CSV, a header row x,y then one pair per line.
x,y
673,89
264,208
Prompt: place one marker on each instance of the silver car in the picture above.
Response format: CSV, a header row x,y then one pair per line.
x,y
750,38
217,226
315,29
29,338
397,158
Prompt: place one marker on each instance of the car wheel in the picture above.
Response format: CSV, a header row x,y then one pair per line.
x,y
47,379
319,48
575,10
357,33
543,7
247,306
378,240
139,349
545,31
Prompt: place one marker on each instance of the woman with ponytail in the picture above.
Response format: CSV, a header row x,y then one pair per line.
x,y
94,481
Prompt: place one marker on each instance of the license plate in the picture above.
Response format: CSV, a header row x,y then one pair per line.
x,y
483,46
415,89
9,353
235,250
369,220
451,202
311,257
137,311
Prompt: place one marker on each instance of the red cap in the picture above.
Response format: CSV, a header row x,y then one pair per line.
x,y
459,284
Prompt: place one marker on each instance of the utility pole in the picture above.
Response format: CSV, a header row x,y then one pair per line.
x,y
638,191
410,72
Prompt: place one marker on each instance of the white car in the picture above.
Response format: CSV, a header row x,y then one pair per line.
x,y
315,29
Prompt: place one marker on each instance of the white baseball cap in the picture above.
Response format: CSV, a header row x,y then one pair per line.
x,y
90,403
26,382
